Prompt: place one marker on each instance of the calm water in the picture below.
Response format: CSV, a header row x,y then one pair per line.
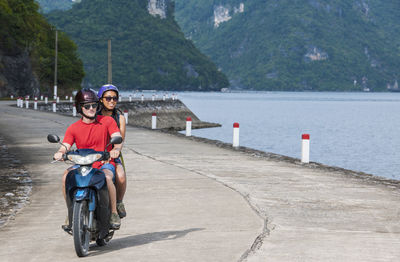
x,y
358,131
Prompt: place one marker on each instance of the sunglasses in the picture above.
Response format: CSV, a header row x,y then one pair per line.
x,y
88,106
109,98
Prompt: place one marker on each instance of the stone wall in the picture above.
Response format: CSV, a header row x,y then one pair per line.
x,y
171,114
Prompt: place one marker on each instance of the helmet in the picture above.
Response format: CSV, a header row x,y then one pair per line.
x,y
106,88
85,95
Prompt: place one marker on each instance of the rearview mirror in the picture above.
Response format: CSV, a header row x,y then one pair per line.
x,y
116,140
53,138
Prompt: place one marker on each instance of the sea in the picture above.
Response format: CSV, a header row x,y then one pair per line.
x,y
359,131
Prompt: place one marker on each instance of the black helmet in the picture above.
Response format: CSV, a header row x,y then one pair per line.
x,y
85,95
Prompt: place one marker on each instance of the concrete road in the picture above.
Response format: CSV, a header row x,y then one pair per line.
x,y
174,214
191,201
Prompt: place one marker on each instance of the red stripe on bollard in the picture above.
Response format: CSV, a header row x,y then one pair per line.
x,y
188,118
305,136
236,125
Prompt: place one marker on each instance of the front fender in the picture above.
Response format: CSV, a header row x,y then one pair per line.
x,y
81,194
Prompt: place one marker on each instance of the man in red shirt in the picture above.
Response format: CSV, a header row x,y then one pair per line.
x,y
93,132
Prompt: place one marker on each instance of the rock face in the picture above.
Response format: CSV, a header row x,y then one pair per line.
x,y
222,13
158,8
16,75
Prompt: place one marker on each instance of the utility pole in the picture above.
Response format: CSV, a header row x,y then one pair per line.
x,y
55,66
109,63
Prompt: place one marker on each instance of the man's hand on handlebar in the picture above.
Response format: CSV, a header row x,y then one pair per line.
x,y
58,156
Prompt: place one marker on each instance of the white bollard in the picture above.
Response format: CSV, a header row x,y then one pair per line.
x,y
70,99
54,107
18,102
46,100
188,126
163,97
142,98
305,148
58,99
153,98
154,121
35,104
235,135
12,96
126,114
130,98
66,97
119,98
41,98
73,110
27,103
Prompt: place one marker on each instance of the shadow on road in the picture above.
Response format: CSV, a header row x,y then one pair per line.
x,y
138,240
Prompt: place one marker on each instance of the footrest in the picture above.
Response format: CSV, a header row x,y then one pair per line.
x,y
67,229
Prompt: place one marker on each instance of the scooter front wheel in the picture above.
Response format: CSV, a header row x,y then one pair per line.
x,y
80,230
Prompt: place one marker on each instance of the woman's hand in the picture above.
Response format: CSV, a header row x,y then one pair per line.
x,y
114,153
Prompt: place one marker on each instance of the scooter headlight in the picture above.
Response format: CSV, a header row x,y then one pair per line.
x,y
84,160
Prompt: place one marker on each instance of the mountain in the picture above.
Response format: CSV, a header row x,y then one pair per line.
x,y
50,5
321,45
27,48
149,51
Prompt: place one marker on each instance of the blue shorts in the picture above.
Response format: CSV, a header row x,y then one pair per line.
x,y
117,160
109,167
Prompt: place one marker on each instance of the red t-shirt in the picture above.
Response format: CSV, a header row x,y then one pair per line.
x,y
95,135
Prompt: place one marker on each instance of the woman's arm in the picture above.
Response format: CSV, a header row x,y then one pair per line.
x,y
122,126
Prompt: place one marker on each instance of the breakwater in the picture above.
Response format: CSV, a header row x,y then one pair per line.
x,y
171,114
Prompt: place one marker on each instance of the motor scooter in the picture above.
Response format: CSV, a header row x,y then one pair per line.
x,y
87,197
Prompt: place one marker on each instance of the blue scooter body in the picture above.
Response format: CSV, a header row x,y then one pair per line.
x,y
91,187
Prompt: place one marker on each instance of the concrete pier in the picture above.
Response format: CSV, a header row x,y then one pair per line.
x,y
193,201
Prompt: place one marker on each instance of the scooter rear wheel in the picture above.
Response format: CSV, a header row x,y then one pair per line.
x,y
80,230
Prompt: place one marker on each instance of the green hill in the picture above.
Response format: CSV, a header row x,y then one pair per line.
x,y
324,45
50,5
27,47
148,51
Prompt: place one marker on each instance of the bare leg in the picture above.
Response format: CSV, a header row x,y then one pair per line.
x,y
111,190
120,182
63,180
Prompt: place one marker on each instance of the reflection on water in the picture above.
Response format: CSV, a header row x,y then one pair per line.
x,y
358,131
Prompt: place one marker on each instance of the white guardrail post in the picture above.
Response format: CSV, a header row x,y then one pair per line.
x,y
188,126
154,121
35,104
235,135
126,115
305,148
